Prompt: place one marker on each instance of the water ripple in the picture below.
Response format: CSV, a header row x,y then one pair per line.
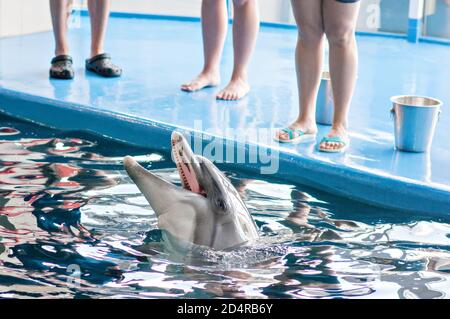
x,y
73,225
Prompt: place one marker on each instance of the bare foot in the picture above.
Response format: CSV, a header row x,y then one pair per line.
x,y
235,90
202,81
305,126
340,132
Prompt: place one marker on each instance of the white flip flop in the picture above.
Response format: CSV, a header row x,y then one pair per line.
x,y
334,139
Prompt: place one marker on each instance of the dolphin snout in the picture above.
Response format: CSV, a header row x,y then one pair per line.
x,y
131,166
176,137
135,170
128,161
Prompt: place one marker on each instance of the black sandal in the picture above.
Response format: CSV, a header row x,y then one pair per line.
x,y
102,65
62,67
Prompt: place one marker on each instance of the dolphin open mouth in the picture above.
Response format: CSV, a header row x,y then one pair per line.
x,y
184,159
218,219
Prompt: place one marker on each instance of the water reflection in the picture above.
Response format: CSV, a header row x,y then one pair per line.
x,y
66,202
62,89
41,197
412,165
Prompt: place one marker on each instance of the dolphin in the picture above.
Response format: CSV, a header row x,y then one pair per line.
x,y
206,211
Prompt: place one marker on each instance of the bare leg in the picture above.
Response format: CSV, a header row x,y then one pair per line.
x,y
340,23
99,13
308,59
60,11
214,30
245,31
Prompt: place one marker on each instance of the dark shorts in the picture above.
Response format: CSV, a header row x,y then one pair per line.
x,y
347,1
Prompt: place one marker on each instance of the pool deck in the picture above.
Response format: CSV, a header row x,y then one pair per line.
x,y
145,104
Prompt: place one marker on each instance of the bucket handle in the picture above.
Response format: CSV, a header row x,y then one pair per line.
x,y
392,111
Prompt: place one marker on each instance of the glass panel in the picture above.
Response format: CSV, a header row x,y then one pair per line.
x,y
383,16
394,16
375,15
437,19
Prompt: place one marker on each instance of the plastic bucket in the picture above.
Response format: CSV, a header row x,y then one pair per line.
x,y
325,104
415,119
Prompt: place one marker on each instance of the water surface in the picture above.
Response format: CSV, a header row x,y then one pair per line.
x,y
73,225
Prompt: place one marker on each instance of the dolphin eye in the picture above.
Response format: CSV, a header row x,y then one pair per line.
x,y
220,203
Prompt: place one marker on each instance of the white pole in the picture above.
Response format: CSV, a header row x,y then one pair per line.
x,y
415,20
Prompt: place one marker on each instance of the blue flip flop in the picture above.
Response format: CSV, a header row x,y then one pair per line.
x,y
334,139
295,136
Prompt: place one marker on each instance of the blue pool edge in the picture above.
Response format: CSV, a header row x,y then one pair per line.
x,y
370,187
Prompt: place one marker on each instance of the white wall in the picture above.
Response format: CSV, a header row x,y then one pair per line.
x,y
189,8
277,11
271,10
28,16
24,16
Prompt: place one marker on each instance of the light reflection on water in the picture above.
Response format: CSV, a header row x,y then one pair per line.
x,y
66,202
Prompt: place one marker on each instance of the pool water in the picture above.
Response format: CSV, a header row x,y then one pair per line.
x,y
73,225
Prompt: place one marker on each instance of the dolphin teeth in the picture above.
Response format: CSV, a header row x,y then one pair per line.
x,y
177,156
184,180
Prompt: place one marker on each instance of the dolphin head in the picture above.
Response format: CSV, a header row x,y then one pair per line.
x,y
207,210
